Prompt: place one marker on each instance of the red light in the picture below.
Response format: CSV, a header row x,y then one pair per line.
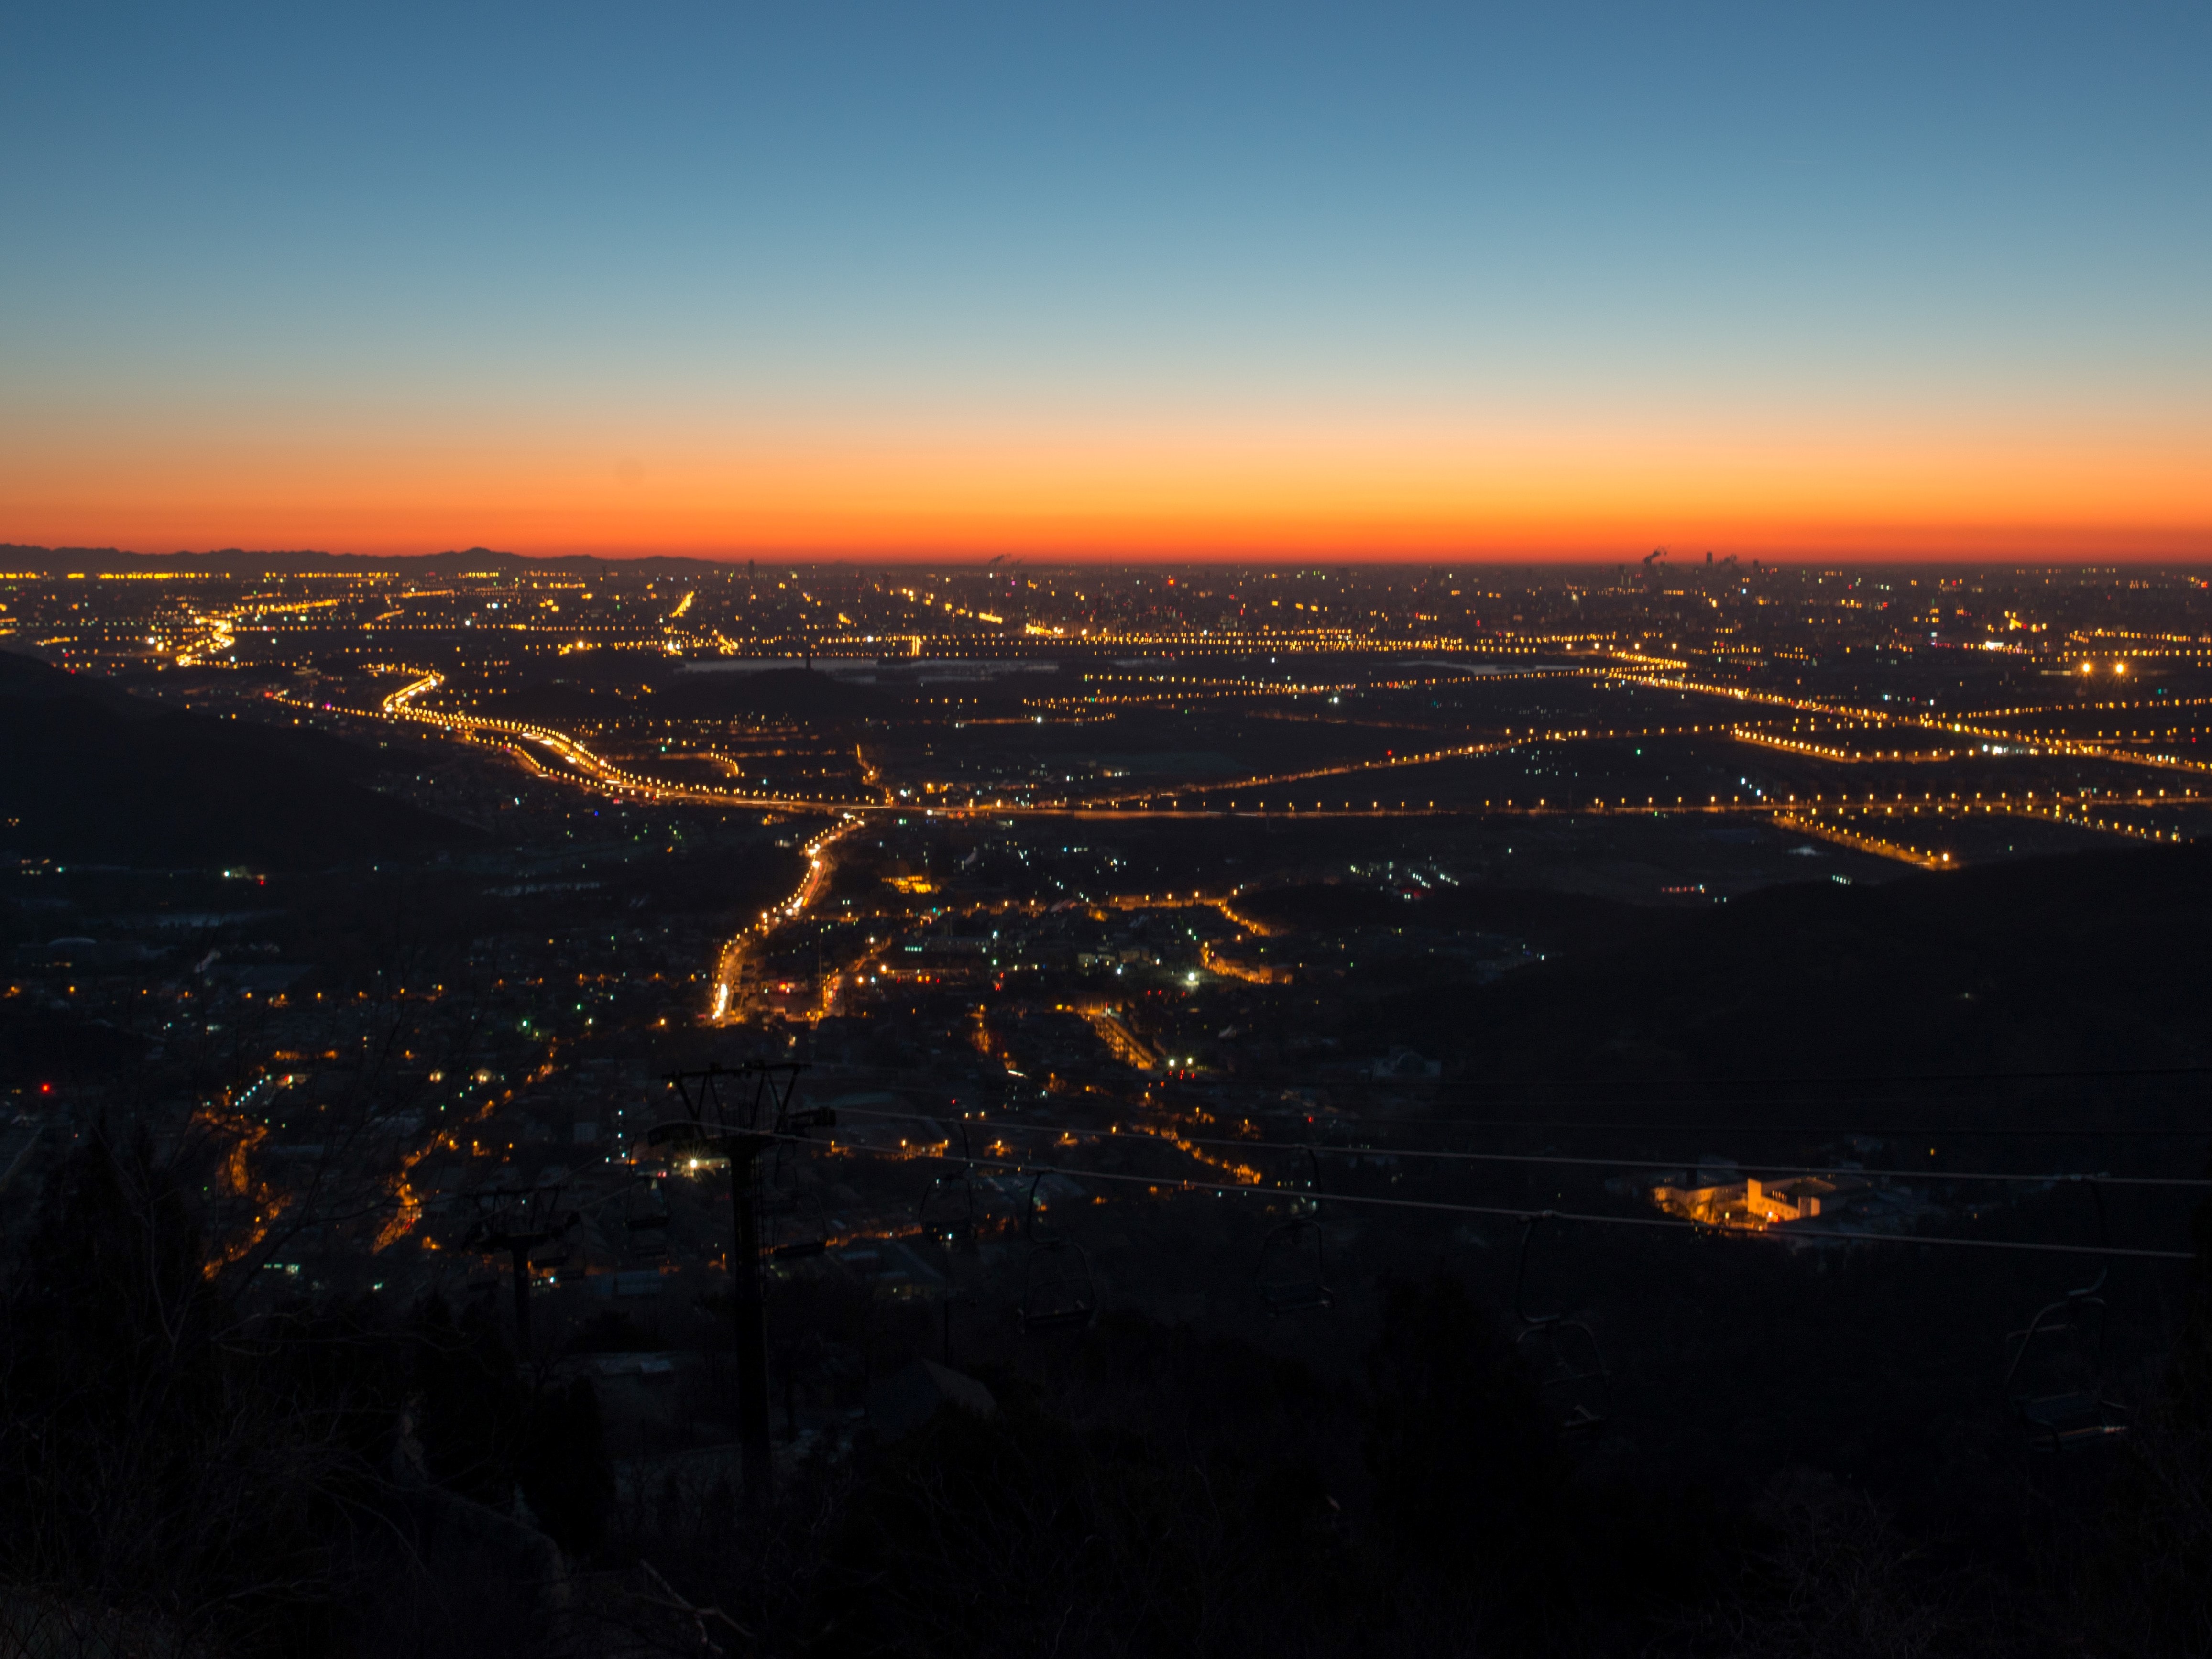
x,y
45,1088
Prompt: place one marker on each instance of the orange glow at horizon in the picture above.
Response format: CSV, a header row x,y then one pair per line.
x,y
1489,494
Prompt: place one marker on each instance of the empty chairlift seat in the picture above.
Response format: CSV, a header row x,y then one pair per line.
x,y
1562,1353
1058,1292
2054,1376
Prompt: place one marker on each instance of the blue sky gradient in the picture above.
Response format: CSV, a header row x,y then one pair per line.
x,y
354,224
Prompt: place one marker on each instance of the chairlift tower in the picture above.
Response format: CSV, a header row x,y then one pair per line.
x,y
738,1113
518,1220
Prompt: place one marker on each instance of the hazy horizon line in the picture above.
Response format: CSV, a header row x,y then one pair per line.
x,y
1049,559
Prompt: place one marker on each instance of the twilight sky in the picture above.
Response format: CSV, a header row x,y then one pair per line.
x,y
1060,278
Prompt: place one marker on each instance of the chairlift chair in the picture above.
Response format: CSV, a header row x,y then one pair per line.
x,y
523,1220
645,1219
1562,1353
1292,1276
947,1212
2055,1370
2054,1376
948,1209
1058,1292
796,1227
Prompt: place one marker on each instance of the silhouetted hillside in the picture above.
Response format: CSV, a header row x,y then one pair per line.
x,y
2092,961
89,773
1548,920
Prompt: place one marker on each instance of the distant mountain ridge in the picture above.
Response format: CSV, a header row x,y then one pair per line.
x,y
228,562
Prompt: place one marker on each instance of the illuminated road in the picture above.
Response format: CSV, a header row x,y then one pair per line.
x,y
1978,726
574,761
727,1003
585,766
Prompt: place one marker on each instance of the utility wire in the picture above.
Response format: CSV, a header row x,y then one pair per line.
x,y
1661,1223
1557,1158
1901,1131
2076,1074
1891,1132
1865,1077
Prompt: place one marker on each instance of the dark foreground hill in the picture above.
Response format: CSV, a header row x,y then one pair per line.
x,y
2094,961
1550,921
89,773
